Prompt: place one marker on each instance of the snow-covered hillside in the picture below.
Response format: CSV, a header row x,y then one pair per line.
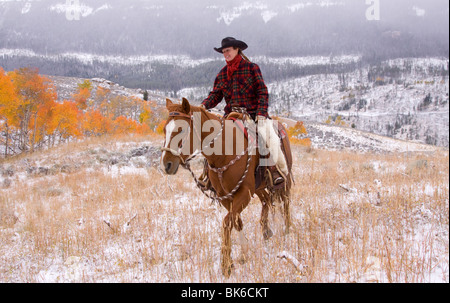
x,y
413,104
404,98
89,58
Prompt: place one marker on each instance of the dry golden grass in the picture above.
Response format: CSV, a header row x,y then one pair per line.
x,y
355,218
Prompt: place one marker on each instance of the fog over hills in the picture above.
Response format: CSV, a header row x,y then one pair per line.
x,y
271,28
124,40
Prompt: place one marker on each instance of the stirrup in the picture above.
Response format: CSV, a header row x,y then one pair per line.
x,y
276,178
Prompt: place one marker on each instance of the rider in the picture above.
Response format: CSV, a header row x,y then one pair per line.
x,y
241,83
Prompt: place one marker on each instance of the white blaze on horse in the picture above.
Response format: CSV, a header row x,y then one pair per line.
x,y
236,174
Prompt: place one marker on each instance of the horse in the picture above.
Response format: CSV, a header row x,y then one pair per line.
x,y
233,175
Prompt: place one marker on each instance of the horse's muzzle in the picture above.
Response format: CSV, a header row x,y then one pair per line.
x,y
170,167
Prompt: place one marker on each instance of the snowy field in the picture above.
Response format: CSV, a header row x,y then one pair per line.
x,y
101,211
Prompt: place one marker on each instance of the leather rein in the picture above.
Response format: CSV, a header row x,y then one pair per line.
x,y
186,163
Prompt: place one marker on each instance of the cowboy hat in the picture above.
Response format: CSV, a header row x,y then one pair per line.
x,y
231,42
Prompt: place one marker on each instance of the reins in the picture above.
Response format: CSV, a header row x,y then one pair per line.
x,y
186,163
178,152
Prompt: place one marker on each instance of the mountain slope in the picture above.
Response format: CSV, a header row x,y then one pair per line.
x,y
403,98
323,136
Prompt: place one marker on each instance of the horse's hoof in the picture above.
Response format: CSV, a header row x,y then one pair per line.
x,y
267,234
226,270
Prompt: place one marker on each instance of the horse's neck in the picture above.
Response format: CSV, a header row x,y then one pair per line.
x,y
207,116
222,159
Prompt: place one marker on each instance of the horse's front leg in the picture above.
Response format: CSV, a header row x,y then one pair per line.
x,y
227,262
244,247
233,220
265,201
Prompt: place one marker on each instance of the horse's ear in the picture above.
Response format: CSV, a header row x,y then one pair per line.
x,y
168,102
185,106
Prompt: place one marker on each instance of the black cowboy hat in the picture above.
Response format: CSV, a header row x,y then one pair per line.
x,y
231,42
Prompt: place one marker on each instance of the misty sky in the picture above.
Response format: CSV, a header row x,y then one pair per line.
x,y
193,27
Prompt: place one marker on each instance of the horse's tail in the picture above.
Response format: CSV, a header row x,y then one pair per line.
x,y
286,147
283,194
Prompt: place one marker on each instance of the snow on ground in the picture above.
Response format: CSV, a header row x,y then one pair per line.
x,y
103,212
344,138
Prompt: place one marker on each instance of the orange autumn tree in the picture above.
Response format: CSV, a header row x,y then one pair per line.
x,y
160,127
41,124
8,108
297,135
152,115
123,125
66,121
81,98
82,94
31,117
95,124
145,115
36,96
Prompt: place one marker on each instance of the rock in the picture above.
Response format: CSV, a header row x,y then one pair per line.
x,y
7,172
66,168
6,183
31,170
43,171
141,151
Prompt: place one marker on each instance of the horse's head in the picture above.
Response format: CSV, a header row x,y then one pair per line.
x,y
178,133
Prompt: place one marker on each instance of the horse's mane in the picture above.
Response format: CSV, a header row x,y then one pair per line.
x,y
179,108
207,113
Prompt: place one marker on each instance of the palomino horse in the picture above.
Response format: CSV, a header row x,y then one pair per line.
x,y
232,175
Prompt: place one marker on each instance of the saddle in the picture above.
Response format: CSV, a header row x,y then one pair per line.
x,y
263,173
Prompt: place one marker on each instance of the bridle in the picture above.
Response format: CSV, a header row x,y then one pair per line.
x,y
186,163
180,148
177,153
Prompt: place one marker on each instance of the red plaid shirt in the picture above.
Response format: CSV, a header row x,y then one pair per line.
x,y
245,89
